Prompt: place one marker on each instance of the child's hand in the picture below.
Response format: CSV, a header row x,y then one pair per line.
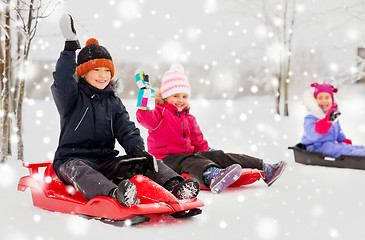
x,y
323,125
146,95
347,141
69,33
331,115
138,151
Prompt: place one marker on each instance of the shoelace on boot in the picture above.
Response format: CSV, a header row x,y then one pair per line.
x,y
187,191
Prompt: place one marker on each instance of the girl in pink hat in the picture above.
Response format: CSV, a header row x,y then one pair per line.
x,y
322,130
175,136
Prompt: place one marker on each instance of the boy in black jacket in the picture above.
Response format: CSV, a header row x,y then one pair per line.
x,y
92,117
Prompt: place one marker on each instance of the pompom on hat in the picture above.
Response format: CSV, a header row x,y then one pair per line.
x,y
328,88
93,56
175,81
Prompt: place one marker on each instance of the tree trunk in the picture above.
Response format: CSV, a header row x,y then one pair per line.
x,y
286,104
2,60
285,59
19,109
5,140
288,67
18,92
19,121
19,66
2,68
278,93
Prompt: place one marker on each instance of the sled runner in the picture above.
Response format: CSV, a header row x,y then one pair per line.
x,y
248,176
303,156
50,193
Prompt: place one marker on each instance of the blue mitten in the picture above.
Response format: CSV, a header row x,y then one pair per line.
x,y
146,94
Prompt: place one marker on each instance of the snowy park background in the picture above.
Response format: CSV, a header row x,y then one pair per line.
x,y
307,202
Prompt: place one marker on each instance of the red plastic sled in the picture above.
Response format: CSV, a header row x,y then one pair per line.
x,y
247,177
48,192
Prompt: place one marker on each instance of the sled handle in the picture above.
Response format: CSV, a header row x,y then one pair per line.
x,y
33,167
131,163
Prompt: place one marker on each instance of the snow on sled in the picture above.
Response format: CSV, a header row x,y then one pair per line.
x,y
50,193
303,156
248,176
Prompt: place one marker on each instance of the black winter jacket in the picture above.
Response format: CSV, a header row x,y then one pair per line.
x,y
91,119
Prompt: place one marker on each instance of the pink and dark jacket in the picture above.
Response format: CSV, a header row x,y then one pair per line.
x,y
171,132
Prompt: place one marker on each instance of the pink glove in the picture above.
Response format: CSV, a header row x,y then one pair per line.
x,y
347,141
323,125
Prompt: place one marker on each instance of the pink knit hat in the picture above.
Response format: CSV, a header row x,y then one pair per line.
x,y
174,81
328,88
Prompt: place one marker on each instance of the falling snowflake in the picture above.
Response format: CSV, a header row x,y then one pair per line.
x,y
333,233
7,176
223,224
77,226
129,9
267,228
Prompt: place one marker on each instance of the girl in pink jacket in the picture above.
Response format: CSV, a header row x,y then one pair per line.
x,y
174,135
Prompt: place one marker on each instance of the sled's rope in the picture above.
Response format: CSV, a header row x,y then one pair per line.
x,y
255,169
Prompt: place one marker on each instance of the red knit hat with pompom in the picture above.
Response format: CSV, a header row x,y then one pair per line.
x,y
93,56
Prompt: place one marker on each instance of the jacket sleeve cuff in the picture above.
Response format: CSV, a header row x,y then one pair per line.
x,y
72,45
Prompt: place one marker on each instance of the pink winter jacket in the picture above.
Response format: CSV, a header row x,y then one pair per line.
x,y
171,132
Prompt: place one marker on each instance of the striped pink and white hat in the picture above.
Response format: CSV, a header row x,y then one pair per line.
x,y
175,81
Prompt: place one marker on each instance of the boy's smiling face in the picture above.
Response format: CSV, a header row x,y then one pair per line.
x,y
324,100
179,100
98,77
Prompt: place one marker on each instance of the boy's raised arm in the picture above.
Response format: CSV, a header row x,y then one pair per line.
x,y
64,88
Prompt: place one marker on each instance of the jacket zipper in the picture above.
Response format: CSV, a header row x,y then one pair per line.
x,y
182,127
82,118
111,124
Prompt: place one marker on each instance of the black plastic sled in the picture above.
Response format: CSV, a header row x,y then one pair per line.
x,y
303,156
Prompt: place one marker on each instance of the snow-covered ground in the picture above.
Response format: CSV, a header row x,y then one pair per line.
x,y
307,202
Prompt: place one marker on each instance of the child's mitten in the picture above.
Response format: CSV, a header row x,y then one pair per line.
x,y
323,125
334,115
139,151
146,94
69,33
347,141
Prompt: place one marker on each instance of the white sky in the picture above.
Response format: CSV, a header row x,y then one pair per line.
x,y
208,32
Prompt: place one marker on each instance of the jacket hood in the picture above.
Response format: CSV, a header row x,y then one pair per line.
x,y
311,104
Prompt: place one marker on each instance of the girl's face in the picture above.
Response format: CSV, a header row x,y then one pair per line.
x,y
324,100
179,100
98,77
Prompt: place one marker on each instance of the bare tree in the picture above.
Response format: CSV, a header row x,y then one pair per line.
x,y
289,20
356,11
279,19
2,59
5,95
25,17
29,17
